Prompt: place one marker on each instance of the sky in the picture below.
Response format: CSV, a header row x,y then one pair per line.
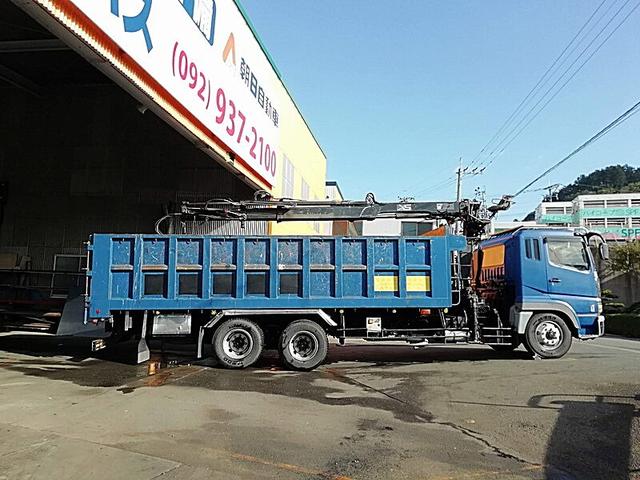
x,y
397,92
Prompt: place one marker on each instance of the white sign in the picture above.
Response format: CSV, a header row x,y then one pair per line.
x,y
205,56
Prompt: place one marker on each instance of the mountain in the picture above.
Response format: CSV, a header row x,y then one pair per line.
x,y
611,179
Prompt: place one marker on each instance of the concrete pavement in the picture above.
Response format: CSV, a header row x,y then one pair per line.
x,y
371,412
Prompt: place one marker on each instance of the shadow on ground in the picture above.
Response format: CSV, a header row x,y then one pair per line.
x,y
591,437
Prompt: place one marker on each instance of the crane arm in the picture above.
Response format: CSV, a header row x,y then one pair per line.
x,y
265,208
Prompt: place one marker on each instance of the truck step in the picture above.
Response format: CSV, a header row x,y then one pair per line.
x,y
497,335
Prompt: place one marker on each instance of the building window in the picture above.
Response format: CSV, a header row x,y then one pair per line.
x,y
618,203
594,204
413,229
594,222
635,202
568,210
304,191
616,222
635,222
555,210
288,177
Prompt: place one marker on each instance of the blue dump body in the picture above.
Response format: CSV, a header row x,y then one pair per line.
x,y
180,273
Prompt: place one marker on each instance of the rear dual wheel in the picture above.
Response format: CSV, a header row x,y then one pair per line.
x,y
238,343
303,345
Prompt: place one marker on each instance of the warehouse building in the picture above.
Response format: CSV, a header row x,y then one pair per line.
x,y
616,215
116,112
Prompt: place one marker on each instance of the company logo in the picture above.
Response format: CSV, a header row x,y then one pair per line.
x,y
631,232
203,14
229,51
136,23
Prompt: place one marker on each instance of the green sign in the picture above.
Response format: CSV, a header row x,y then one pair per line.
x,y
559,218
609,212
621,233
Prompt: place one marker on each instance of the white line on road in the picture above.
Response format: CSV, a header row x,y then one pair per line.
x,y
615,348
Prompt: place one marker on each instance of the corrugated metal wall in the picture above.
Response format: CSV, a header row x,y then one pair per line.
x,y
84,160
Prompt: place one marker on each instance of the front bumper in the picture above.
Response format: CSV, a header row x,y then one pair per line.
x,y
600,324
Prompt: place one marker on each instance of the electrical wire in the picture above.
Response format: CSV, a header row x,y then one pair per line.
x,y
535,88
617,122
518,129
437,186
510,141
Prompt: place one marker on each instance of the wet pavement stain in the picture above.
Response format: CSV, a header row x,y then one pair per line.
x,y
365,383
162,370
267,376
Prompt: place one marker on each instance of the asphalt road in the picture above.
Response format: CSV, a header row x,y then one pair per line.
x,y
372,412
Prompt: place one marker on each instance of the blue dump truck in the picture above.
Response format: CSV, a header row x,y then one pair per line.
x,y
242,294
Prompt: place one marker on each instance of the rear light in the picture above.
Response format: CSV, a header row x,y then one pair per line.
x,y
425,312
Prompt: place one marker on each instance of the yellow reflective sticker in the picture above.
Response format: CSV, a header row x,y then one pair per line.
x,y
418,283
385,283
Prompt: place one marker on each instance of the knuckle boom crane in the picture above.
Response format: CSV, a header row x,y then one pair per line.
x,y
472,213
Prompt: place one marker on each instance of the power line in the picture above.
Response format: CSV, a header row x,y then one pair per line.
x,y
535,87
438,186
491,156
501,146
617,122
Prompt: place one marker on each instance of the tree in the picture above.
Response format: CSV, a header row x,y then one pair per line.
x,y
611,179
625,258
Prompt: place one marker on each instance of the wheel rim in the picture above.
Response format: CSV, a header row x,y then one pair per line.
x,y
303,346
237,344
549,335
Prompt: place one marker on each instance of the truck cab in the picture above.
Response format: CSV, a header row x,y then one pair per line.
x,y
543,283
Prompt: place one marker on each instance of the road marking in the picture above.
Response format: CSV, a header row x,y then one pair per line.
x,y
15,384
615,348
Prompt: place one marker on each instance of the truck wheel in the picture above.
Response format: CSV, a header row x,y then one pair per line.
x,y
303,345
238,343
547,336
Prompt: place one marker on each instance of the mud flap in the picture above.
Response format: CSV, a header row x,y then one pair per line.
x,y
143,349
72,321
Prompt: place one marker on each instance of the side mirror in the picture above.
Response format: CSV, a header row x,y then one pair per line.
x,y
604,251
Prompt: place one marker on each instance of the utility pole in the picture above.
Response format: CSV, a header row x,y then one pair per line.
x,y
459,181
462,171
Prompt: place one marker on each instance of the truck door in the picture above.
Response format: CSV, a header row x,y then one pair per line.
x,y
569,267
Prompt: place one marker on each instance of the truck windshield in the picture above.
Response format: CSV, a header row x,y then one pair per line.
x,y
568,253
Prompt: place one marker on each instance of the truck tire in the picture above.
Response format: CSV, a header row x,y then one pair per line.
x,y
303,345
506,348
238,343
547,335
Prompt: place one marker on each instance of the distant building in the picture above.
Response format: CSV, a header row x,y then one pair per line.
x,y
497,227
332,191
615,215
557,214
337,227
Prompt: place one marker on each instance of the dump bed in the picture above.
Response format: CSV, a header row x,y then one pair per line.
x,y
189,272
